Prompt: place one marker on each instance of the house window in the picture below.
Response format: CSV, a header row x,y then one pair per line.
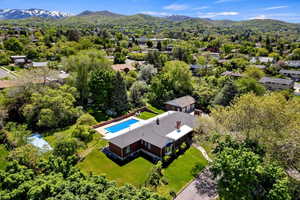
x,y
127,150
168,149
148,145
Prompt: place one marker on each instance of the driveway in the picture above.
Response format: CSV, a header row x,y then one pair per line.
x,y
3,74
202,188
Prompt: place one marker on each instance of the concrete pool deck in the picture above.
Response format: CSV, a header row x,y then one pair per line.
x,y
102,130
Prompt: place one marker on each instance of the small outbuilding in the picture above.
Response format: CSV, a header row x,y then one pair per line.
x,y
183,104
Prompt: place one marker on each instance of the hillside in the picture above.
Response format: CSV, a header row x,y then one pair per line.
x,y
174,21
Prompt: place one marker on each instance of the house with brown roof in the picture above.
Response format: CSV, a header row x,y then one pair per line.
x,y
183,104
232,74
123,67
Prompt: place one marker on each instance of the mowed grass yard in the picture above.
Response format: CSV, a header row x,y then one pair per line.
x,y
178,173
3,155
134,172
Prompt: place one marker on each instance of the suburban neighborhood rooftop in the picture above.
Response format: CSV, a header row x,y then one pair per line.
x,y
182,101
155,130
276,80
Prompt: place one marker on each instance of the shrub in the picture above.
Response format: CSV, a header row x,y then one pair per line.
x,y
196,169
183,146
25,155
173,193
83,133
65,148
86,119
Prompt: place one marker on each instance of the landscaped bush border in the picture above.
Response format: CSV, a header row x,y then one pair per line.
x,y
124,117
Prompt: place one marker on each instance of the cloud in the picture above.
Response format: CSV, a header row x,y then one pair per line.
x,y
225,1
155,13
279,16
216,14
176,7
201,8
259,17
276,7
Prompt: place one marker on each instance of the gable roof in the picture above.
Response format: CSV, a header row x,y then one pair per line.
x,y
262,59
276,80
122,67
230,73
293,63
182,101
283,71
153,133
39,64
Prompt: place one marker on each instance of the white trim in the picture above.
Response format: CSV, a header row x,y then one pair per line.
x,y
178,133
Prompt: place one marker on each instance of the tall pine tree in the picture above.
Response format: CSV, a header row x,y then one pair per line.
x,y
119,99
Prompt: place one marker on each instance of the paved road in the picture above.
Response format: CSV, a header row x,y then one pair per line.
x,y
3,74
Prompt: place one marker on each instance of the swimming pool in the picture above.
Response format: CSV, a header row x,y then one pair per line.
x,y
121,126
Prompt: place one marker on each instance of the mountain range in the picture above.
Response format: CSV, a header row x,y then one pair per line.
x,y
27,13
105,17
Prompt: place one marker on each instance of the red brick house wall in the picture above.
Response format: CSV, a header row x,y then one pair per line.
x,y
153,149
115,149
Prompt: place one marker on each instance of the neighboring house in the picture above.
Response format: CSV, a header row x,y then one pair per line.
x,y
297,89
215,55
262,60
277,83
232,74
183,104
293,63
19,60
18,83
156,137
142,40
263,67
39,64
123,67
195,68
293,74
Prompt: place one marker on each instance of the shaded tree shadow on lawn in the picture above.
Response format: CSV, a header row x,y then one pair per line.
x,y
120,162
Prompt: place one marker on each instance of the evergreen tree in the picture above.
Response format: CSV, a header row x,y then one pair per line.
x,y
226,95
119,99
159,46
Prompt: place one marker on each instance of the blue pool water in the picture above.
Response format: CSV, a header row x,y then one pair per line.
x,y
121,126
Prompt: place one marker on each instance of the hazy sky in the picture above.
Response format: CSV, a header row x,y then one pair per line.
x,y
287,10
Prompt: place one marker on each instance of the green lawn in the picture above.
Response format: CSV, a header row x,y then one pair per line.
x,y
58,136
146,115
136,172
13,68
178,173
159,111
3,155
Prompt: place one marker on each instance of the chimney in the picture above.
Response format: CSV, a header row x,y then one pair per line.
x,y
178,125
157,121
